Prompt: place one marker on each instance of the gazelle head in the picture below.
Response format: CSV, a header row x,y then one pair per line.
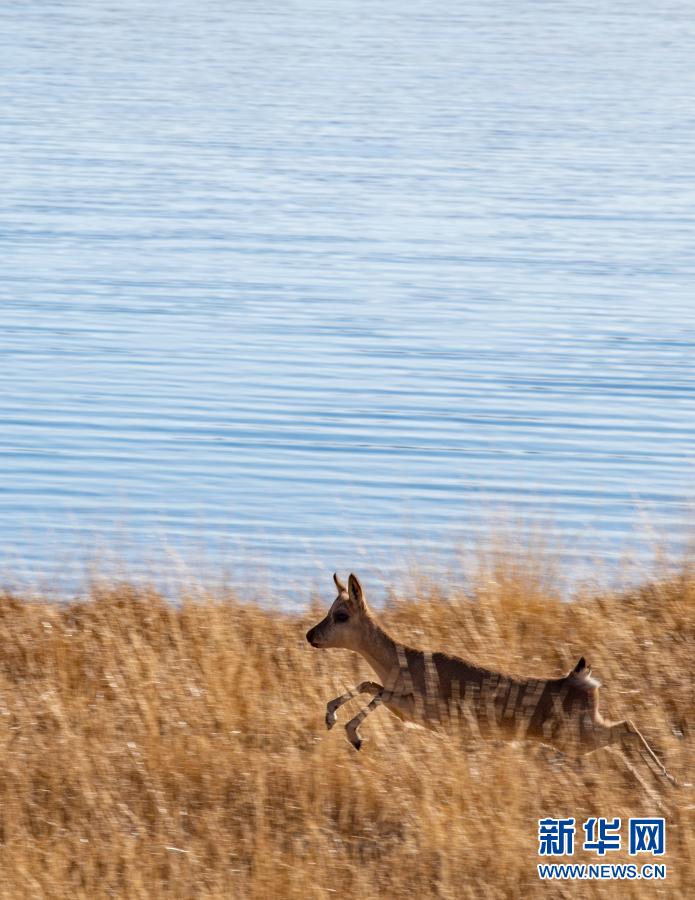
x,y
344,625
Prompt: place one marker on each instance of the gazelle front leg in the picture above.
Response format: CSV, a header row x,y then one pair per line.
x,y
366,687
395,702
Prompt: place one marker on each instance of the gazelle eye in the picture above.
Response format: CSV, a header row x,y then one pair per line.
x,y
341,617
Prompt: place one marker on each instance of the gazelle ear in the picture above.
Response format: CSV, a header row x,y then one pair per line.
x,y
339,584
355,592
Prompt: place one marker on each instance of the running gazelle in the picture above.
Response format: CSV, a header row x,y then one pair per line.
x,y
441,691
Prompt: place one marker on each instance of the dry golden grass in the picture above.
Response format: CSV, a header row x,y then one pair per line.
x,y
155,750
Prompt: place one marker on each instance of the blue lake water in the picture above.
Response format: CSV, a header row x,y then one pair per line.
x,y
322,285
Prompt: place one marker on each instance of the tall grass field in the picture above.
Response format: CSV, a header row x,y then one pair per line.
x,y
156,749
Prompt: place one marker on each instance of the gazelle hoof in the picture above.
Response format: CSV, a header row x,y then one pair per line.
x,y
357,743
330,720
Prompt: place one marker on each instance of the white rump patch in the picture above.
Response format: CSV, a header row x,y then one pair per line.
x,y
584,679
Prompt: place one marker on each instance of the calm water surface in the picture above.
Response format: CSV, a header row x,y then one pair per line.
x,y
323,284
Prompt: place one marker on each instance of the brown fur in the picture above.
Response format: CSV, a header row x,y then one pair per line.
x,y
444,692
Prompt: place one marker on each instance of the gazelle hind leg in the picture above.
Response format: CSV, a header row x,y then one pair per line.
x,y
628,737
649,789
366,687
